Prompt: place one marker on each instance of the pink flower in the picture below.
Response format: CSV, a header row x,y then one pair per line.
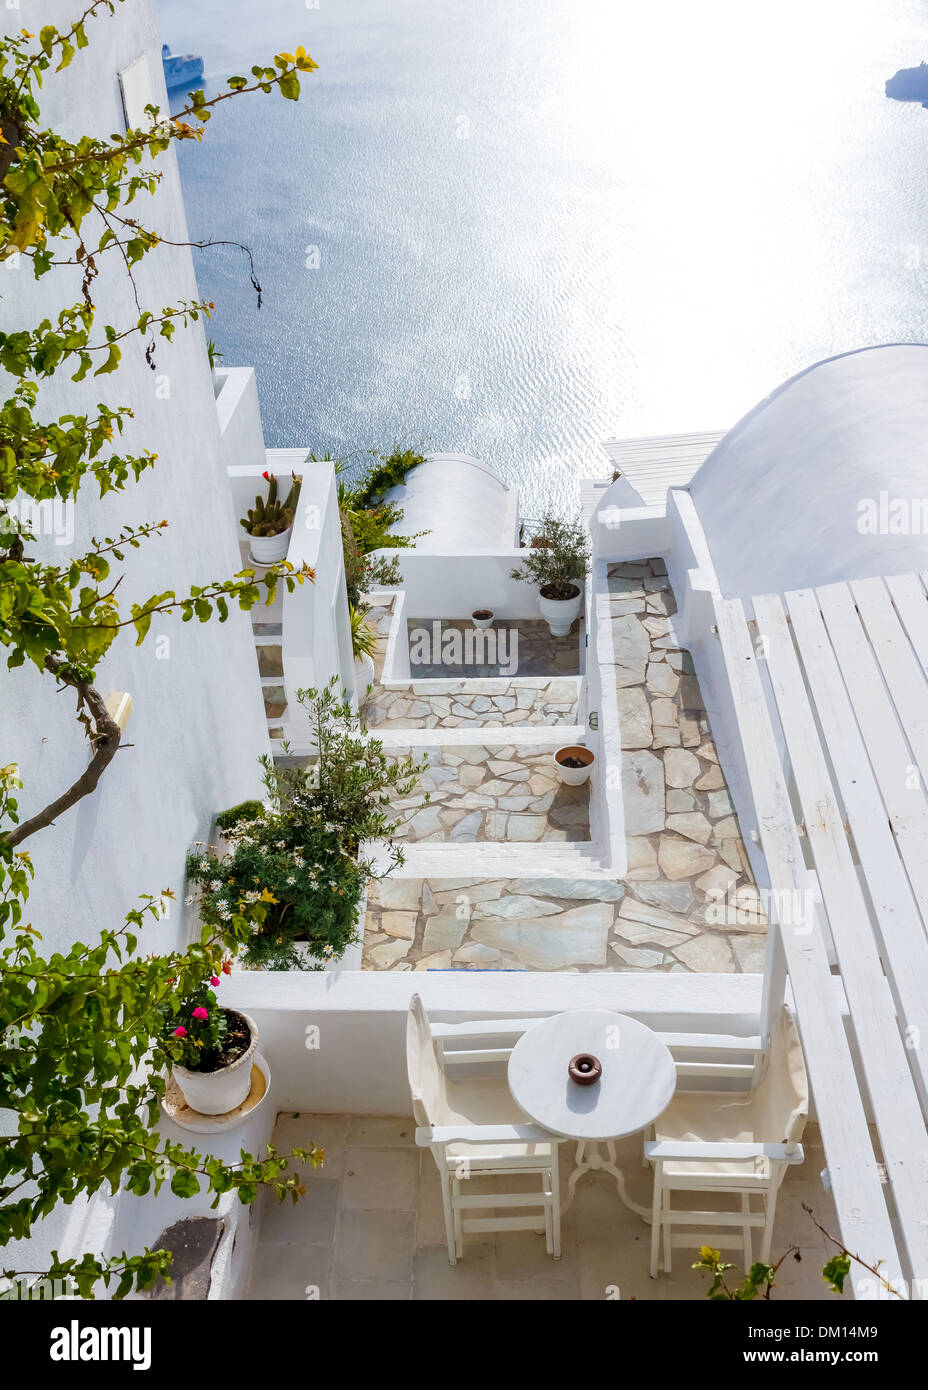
x,y
214,981
201,1012
179,1033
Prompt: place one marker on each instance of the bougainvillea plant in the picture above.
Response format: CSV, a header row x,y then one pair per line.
x,y
82,1058
196,1027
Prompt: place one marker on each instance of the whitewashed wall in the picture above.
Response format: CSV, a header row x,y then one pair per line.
x,y
198,722
451,584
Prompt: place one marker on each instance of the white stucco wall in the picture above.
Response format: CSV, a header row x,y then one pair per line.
x,y
452,583
779,497
198,722
239,416
460,501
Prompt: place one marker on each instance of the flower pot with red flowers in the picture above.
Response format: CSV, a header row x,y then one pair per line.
x,y
270,521
211,1048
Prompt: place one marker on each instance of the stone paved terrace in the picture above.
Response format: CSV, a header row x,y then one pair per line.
x,y
687,900
370,1227
508,793
682,834
551,924
543,689
511,647
463,704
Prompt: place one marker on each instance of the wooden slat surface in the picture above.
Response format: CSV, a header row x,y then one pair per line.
x,y
852,1165
901,929
895,1104
656,463
890,756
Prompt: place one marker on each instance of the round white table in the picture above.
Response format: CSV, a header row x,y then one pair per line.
x,y
637,1083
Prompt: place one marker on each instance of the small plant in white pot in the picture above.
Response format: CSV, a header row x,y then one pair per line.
x,y
363,647
559,568
211,1048
270,521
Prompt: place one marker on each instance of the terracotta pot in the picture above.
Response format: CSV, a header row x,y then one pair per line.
x,y
574,776
218,1092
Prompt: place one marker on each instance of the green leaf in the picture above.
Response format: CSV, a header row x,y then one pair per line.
x,y
836,1271
184,1183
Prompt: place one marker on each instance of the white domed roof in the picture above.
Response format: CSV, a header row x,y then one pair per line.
x,y
825,480
461,502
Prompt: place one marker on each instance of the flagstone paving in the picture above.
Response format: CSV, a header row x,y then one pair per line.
x,y
477,792
543,688
434,704
687,901
511,647
473,923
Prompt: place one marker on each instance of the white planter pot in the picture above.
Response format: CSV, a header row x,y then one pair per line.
x,y
270,550
217,1092
561,613
363,675
482,622
573,776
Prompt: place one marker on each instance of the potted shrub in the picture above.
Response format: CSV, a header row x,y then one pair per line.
x,y
559,568
270,521
482,617
296,862
211,1049
363,647
573,764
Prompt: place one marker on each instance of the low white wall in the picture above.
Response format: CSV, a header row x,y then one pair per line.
x,y
696,588
621,532
452,585
674,533
316,642
396,666
606,792
336,1042
239,418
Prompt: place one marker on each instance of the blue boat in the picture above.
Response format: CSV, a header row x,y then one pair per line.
x,y
180,69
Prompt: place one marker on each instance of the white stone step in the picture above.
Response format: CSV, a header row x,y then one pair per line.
x,y
490,859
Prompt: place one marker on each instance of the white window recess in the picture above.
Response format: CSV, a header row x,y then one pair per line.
x,y
136,89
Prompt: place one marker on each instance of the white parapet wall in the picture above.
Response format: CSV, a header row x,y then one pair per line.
x,y
451,584
336,1042
239,417
315,638
673,532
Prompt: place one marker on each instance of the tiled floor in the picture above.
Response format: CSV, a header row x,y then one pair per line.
x,y
370,1227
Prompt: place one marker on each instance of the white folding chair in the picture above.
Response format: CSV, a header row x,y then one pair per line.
x,y
475,1130
728,1143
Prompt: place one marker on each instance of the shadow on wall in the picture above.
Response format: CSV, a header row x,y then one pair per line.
x,y
909,84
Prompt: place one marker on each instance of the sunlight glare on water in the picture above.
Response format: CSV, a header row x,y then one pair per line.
x,y
541,224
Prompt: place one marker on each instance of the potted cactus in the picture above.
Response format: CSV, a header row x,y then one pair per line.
x,y
270,522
